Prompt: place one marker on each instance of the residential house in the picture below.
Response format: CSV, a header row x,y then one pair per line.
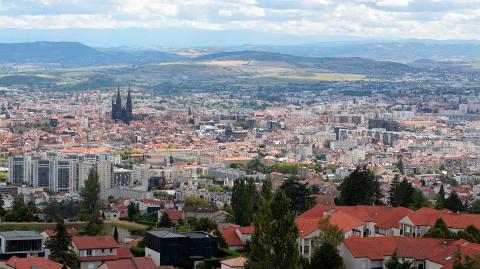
x,y
426,253
417,223
236,236
95,250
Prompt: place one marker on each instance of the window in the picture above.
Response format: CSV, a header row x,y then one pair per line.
x,y
103,250
89,253
111,250
306,249
91,265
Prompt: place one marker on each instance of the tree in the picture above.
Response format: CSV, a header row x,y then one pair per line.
x,y
221,240
60,246
115,233
404,193
299,194
244,201
90,195
419,200
393,192
326,257
20,211
266,192
205,224
132,211
440,202
470,233
330,233
165,220
360,188
453,202
2,210
468,262
274,242
195,202
439,230
395,263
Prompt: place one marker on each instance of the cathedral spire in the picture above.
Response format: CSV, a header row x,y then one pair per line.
x,y
119,99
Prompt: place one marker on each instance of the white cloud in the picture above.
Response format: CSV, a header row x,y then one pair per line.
x,y
225,13
252,11
455,19
393,3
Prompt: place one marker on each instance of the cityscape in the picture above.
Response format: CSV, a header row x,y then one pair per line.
x,y
294,149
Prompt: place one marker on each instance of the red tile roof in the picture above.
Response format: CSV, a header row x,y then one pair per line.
x,y
94,242
427,217
133,263
441,251
231,237
174,214
247,229
72,231
30,262
123,252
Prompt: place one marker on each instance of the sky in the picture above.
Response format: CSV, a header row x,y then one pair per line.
x,y
146,23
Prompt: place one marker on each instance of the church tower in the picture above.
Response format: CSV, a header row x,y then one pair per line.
x,y
128,107
119,112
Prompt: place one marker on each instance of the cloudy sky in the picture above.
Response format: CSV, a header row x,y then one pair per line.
x,y
161,22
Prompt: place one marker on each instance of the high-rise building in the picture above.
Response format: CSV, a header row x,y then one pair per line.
x,y
19,169
120,113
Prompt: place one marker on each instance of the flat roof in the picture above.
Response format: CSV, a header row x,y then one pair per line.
x,y
20,235
166,234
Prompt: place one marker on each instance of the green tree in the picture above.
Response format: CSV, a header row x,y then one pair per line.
x,y
274,242
440,202
90,206
330,233
2,210
195,202
467,263
470,233
439,230
90,195
165,220
266,191
115,233
395,263
360,188
326,257
393,192
419,200
221,240
205,224
299,194
244,201
132,211
453,202
20,211
60,246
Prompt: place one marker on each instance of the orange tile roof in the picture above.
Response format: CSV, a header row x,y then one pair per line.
x,y
133,263
427,217
231,237
94,242
238,262
31,262
441,251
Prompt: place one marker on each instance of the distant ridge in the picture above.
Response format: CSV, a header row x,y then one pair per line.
x,y
75,54
334,64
